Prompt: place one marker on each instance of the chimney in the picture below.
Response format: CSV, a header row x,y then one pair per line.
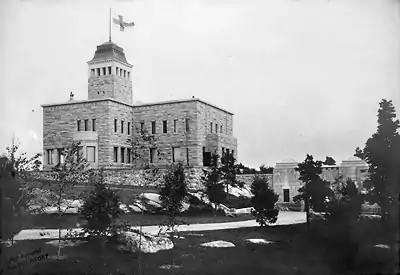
x,y
71,96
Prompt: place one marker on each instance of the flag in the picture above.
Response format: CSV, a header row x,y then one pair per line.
x,y
121,23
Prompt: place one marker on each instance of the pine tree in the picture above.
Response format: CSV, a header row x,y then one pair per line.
x,y
264,201
215,189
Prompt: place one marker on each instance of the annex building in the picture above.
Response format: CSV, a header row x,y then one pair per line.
x,y
108,122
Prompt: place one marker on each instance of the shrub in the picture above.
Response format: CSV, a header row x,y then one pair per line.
x,y
264,201
232,201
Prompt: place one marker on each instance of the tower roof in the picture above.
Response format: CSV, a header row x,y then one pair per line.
x,y
109,50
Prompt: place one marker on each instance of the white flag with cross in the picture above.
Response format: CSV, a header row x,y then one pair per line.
x,y
121,23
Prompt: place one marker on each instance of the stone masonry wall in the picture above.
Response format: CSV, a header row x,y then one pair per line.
x,y
60,124
170,112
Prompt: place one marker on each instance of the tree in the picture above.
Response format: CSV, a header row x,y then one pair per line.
x,y
314,190
215,189
13,178
75,170
101,210
329,161
228,170
266,170
172,196
382,153
264,201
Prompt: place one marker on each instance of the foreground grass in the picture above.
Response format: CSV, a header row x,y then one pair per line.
x,y
290,253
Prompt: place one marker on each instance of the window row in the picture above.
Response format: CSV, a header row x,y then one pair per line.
x,y
83,125
122,155
109,71
57,155
165,126
216,129
122,126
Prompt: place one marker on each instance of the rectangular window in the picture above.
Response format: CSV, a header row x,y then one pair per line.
x,y
173,154
115,154
94,124
78,124
91,154
93,73
98,71
116,70
286,197
164,126
187,125
122,155
153,127
128,155
86,124
62,156
152,155
115,125
142,127
210,127
187,155
129,128
221,129
122,127
175,122
104,71
216,128
129,74
50,156
109,70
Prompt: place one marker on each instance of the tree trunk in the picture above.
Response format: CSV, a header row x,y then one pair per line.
x,y
307,209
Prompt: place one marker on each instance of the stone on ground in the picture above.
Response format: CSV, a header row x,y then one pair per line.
x,y
218,244
259,241
129,242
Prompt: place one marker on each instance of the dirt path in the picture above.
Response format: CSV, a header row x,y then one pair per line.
x,y
283,218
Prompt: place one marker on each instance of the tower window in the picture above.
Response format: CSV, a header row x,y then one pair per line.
x,y
210,127
122,127
125,73
216,128
115,154
109,70
93,72
187,125
86,124
175,122
129,128
116,70
221,129
115,125
129,74
94,124
104,71
98,71
78,122
128,155
164,126
153,127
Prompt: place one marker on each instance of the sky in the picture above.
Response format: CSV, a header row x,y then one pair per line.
x,y
301,76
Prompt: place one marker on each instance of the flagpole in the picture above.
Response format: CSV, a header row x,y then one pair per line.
x,y
109,38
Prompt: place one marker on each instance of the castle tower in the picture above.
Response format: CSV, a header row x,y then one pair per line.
x,y
110,74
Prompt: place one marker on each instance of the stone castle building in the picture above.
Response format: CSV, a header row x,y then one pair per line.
x,y
286,181
107,122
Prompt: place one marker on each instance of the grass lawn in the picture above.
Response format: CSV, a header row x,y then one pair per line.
x,y
290,253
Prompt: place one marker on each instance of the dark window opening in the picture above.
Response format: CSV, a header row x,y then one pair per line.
x,y
122,155
50,156
94,124
122,127
152,155
129,128
109,70
164,126
206,158
78,125
115,154
221,129
187,125
153,127
104,71
187,155
286,197
93,72
141,127
115,125
211,127
98,71
86,124
175,122
216,128
128,155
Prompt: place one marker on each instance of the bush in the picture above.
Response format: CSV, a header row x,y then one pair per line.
x,y
264,201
